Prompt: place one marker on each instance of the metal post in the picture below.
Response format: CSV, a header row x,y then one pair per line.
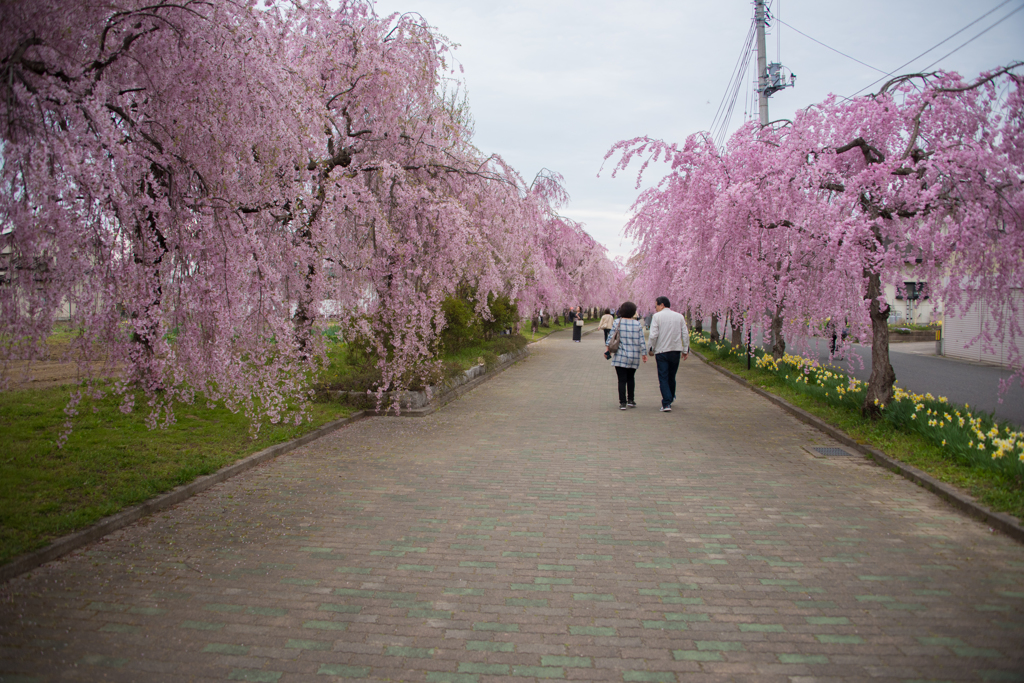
x,y
762,63
749,345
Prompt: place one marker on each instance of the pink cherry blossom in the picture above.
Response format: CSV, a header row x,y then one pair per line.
x,y
202,185
803,222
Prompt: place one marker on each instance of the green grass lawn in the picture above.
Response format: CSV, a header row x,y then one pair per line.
x,y
545,331
487,352
349,368
111,460
996,489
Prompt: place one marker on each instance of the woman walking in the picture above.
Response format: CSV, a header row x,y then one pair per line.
x,y
577,326
631,351
606,324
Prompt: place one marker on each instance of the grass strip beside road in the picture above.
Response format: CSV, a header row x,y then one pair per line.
x,y
545,331
992,488
111,460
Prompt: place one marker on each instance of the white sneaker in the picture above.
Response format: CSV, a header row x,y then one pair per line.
x,y
666,409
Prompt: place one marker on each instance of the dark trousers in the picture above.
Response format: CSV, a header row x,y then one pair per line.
x,y
607,333
577,332
668,365
627,383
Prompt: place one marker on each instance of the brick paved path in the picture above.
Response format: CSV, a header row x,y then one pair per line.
x,y
532,530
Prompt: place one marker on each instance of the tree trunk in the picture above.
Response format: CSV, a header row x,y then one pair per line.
x,y
737,330
778,342
698,322
302,321
146,334
883,377
714,328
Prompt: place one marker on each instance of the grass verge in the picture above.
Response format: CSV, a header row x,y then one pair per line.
x,y
545,331
351,368
111,460
999,490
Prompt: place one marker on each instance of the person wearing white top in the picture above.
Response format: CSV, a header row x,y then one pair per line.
x,y
606,324
669,340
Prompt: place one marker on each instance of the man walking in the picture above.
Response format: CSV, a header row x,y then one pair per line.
x,y
669,340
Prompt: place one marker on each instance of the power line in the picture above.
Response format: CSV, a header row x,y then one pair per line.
x,y
778,32
975,37
720,138
830,47
946,40
738,83
720,124
722,105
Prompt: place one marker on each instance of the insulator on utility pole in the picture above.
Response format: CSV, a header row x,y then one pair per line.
x,y
771,78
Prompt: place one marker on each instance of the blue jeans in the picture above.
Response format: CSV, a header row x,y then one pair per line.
x,y
668,365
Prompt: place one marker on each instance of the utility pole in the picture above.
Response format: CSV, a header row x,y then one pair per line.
x,y
762,62
770,77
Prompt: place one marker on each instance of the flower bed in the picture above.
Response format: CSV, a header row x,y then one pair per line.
x,y
971,437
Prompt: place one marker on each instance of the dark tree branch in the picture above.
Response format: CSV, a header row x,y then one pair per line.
x,y
871,154
982,81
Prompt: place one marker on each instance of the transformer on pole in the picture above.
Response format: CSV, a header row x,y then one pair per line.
x,y
771,78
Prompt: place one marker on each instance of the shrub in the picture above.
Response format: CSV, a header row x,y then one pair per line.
x,y
505,314
462,325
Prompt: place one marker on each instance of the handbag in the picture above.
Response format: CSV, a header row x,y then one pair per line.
x,y
613,343
579,322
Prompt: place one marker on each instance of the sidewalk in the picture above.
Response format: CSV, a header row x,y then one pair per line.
x,y
532,530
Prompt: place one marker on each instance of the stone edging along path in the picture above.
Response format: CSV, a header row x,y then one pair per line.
x,y
419,403
65,544
959,499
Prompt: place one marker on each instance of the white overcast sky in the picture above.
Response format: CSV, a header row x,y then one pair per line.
x,y
554,83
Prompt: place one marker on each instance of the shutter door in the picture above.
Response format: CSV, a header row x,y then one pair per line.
x,y
986,355
1004,348
960,330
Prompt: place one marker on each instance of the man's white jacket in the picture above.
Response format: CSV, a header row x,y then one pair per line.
x,y
669,332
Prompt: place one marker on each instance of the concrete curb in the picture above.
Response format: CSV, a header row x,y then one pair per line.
x,y
959,499
65,544
457,391
418,401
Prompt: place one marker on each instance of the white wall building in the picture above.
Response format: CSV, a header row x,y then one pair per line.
x,y
959,330
912,304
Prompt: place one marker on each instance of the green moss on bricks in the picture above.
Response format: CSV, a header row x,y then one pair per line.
x,y
495,626
488,646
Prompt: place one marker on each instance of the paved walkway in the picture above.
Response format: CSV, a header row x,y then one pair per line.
x,y
532,530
